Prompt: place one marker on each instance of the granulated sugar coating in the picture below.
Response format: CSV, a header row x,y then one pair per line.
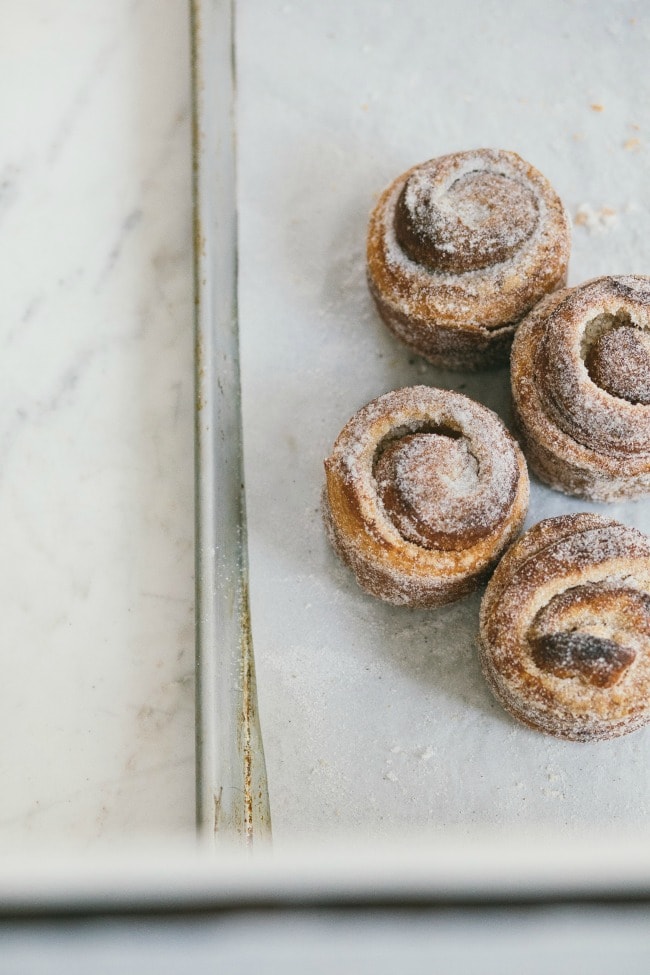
x,y
460,248
565,628
619,362
411,529
580,381
426,483
480,219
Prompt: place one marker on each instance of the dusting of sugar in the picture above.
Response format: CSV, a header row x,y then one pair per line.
x,y
438,503
610,565
428,475
582,436
595,221
443,487
469,467
472,212
457,469
619,362
456,292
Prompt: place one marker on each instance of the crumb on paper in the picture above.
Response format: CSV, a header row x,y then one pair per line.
x,y
632,144
552,794
594,221
552,774
578,137
597,107
390,775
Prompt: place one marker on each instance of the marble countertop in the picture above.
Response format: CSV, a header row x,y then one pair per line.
x,y
96,428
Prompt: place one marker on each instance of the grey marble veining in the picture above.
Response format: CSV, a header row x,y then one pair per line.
x,y
96,457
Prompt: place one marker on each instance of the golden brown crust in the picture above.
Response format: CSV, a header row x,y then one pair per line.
x,y
580,373
565,628
460,248
424,490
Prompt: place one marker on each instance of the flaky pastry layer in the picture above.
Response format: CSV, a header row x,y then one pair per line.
x,y
565,628
459,483
454,313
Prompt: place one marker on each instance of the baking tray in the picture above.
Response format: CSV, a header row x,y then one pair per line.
x,y
232,797
375,720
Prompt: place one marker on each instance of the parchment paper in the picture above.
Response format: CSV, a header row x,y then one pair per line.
x,y
376,719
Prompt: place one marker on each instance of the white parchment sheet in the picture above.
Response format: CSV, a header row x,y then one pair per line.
x,y
376,719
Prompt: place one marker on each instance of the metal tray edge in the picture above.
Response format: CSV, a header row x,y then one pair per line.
x,y
232,794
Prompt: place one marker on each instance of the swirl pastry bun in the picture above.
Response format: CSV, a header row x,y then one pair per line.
x,y
460,248
580,375
565,628
424,490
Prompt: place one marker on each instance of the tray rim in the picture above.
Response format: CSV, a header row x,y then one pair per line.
x,y
456,871
231,788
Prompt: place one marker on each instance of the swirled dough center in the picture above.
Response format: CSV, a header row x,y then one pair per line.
x,y
427,483
480,219
619,362
592,632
